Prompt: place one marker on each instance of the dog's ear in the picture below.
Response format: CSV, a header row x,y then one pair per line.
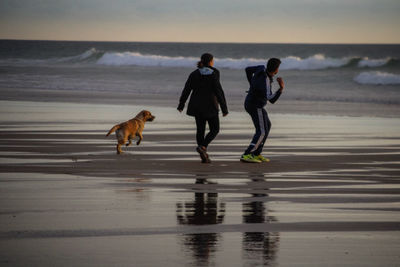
x,y
146,113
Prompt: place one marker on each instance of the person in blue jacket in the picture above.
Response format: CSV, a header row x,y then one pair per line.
x,y
260,79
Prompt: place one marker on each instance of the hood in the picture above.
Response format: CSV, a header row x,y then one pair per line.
x,y
206,71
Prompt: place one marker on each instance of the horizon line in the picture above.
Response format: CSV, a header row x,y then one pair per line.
x,y
194,42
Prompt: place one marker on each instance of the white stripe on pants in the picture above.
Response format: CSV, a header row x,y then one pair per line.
x,y
262,129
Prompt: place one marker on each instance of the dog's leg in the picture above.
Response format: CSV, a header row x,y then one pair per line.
x,y
120,137
119,151
140,138
120,143
129,141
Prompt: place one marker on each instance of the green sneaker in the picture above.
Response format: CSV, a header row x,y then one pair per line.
x,y
250,158
262,158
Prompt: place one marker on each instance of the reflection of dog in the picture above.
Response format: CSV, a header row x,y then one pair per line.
x,y
128,130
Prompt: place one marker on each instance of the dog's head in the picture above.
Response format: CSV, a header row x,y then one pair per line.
x,y
146,115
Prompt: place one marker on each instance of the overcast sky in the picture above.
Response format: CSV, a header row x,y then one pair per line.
x,y
265,21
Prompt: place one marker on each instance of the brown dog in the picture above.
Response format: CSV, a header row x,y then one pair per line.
x,y
128,130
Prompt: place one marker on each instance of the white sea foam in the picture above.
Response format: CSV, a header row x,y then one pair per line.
x,y
232,63
289,63
371,63
131,58
377,77
315,62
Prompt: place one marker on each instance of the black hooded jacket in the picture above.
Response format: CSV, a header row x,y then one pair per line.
x,y
206,91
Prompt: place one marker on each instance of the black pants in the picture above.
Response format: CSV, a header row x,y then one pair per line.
x,y
213,124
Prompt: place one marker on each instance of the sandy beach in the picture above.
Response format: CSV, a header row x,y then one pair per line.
x,y
329,196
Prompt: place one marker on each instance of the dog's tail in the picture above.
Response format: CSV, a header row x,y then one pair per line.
x,y
113,129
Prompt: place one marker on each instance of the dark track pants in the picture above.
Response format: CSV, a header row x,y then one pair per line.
x,y
213,124
263,125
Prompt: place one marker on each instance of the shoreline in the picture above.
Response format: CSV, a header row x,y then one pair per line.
x,y
294,138
347,109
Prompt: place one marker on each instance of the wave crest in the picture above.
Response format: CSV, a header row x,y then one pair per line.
x,y
94,56
87,56
82,57
315,62
377,78
133,58
373,63
289,63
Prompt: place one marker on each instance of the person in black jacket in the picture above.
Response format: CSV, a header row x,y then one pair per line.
x,y
206,94
260,80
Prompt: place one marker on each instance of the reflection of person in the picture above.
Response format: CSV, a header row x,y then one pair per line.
x,y
259,245
207,94
260,79
203,210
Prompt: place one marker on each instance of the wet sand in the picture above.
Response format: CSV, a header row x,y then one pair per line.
x,y
329,196
285,106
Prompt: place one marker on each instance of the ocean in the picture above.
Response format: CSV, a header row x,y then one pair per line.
x,y
312,72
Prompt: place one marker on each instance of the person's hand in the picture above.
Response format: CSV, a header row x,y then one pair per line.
x,y
180,110
225,114
281,83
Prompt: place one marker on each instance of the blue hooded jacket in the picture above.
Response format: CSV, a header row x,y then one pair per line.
x,y
260,87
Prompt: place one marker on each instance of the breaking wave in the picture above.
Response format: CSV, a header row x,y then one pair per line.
x,y
137,59
377,78
94,56
84,56
289,63
373,63
315,62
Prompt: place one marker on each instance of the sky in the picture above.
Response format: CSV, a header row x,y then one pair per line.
x,y
242,21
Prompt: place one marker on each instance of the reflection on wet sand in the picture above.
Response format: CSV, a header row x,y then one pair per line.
x,y
258,246
203,210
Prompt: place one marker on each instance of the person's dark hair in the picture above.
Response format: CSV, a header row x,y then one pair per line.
x,y
205,60
273,64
